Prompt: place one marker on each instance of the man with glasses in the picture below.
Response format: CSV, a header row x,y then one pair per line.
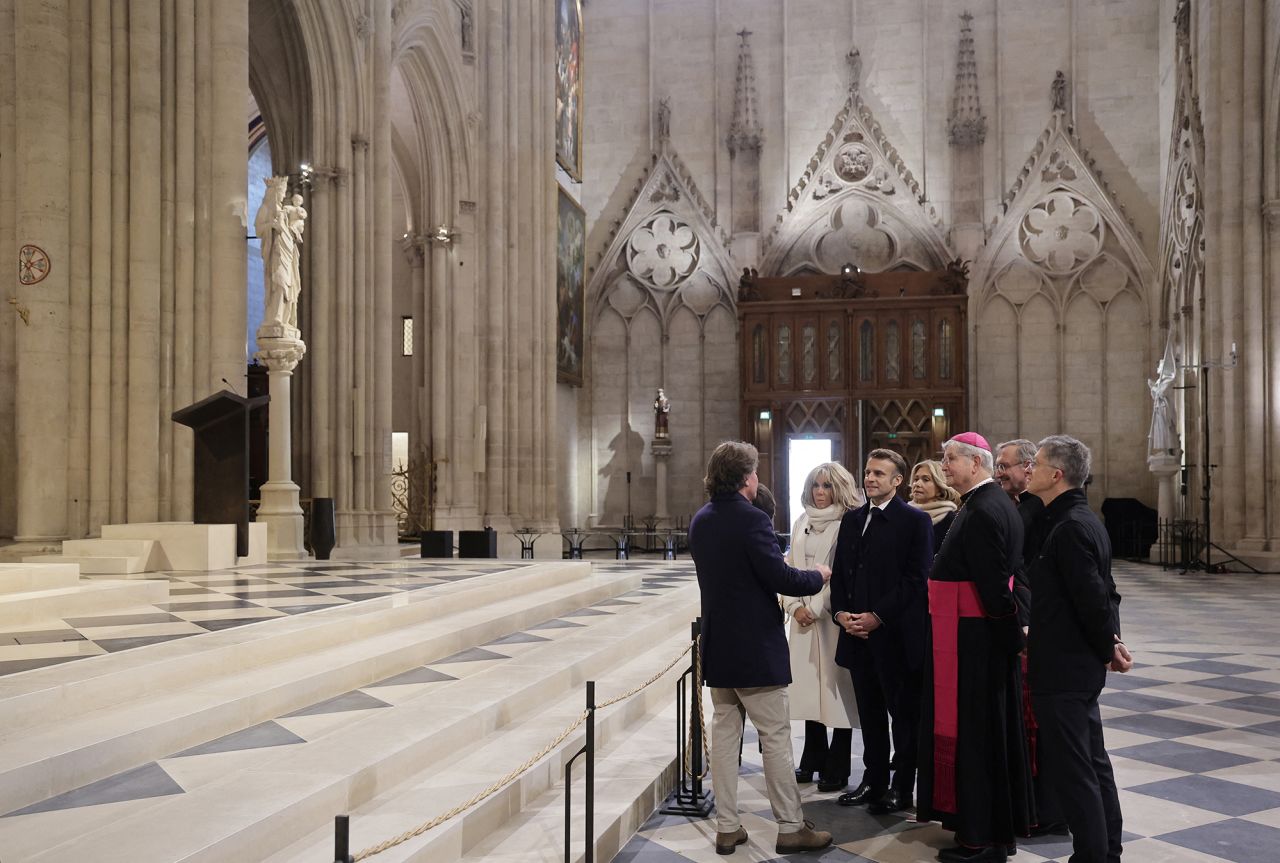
x,y
1013,472
1074,639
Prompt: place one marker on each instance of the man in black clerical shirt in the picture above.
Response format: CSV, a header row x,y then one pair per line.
x,y
1074,639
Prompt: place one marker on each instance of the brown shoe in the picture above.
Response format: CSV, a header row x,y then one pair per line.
x,y
804,839
727,842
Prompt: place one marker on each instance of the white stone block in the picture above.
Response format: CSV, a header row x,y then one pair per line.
x,y
183,546
257,545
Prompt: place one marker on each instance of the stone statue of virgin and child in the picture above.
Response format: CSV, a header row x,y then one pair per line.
x,y
279,226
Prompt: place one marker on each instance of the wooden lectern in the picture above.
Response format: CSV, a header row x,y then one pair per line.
x,y
221,426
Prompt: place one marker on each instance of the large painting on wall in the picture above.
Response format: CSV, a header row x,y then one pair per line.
x,y
569,87
571,235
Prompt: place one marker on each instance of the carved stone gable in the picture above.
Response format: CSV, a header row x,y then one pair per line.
x,y
855,199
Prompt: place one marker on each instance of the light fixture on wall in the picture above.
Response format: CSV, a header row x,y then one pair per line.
x,y
849,269
444,235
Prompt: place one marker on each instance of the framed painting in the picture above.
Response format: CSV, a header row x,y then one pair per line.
x,y
571,236
569,87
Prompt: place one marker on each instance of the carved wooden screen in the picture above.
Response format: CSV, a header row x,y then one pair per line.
x,y
874,359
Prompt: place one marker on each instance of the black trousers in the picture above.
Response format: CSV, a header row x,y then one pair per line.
x,y
829,761
888,690
1074,763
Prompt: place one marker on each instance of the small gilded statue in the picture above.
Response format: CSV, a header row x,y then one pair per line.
x,y
661,408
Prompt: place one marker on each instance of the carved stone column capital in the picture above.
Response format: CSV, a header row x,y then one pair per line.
x,y
280,353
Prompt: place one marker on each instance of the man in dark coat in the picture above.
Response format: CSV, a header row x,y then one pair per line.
x,y
1074,637
878,598
1013,471
974,773
745,660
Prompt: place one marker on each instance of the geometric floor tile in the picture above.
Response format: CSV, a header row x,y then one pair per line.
x,y
471,654
149,780
256,737
516,638
1213,666
1181,756
1155,725
554,623
1214,795
413,675
354,700
1235,840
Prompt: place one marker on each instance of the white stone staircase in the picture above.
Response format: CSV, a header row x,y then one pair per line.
x,y
67,726
104,556
34,592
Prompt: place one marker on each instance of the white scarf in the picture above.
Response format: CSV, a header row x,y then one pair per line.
x,y
937,509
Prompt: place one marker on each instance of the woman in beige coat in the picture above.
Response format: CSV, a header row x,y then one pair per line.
x,y
820,693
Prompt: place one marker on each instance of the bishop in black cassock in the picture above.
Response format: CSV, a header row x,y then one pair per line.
x,y
974,773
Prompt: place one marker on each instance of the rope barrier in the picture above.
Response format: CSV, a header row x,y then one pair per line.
x,y
546,750
702,725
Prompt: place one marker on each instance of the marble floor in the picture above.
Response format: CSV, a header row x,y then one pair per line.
x,y
200,602
1193,731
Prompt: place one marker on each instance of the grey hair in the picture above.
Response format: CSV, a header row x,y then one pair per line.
x,y
1069,456
969,450
1026,449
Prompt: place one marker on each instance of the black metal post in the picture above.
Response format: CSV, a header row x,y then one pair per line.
x,y
342,840
689,800
590,827
695,712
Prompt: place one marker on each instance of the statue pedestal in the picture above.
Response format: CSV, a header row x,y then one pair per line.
x,y
1166,467
661,454
280,350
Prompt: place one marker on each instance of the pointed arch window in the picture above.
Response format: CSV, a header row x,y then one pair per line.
x,y
892,352
759,355
784,354
944,349
866,352
919,364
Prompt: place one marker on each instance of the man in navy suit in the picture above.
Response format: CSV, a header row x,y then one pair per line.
x,y
745,660
878,597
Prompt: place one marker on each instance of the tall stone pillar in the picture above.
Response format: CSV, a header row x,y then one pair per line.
x,y
280,351
42,82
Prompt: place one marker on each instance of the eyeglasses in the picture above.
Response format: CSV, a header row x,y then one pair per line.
x,y
1001,467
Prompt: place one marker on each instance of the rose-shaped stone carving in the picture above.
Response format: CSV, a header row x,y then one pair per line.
x,y
1061,231
663,252
853,162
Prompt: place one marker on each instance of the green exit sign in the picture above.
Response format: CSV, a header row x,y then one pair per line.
x,y
893,435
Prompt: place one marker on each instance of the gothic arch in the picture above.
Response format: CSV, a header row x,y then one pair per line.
x,y
1065,258
856,202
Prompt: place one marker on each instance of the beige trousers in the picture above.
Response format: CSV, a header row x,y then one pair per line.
x,y
769,712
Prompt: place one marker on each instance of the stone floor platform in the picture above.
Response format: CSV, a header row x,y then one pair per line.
x,y
245,741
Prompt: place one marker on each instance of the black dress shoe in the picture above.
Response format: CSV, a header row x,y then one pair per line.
x,y
825,785
961,854
861,795
892,801
804,777
1054,829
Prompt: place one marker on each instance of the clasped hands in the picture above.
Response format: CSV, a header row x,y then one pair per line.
x,y
804,616
1121,658
858,625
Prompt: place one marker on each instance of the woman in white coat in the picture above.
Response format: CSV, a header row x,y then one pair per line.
x,y
820,693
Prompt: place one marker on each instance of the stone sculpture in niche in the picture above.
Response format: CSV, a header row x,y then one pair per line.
x,y
279,227
1163,437
1058,92
661,408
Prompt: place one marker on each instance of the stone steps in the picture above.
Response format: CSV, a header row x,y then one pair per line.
x,y
105,564
80,599
490,759
25,577
166,700
292,792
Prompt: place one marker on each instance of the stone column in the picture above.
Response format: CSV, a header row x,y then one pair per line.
x,y
42,289
1166,468
661,455
281,349
1271,211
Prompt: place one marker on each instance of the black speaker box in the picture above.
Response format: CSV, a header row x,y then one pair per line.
x,y
478,543
437,543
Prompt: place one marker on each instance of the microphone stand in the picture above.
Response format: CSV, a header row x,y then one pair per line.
x,y
1206,494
